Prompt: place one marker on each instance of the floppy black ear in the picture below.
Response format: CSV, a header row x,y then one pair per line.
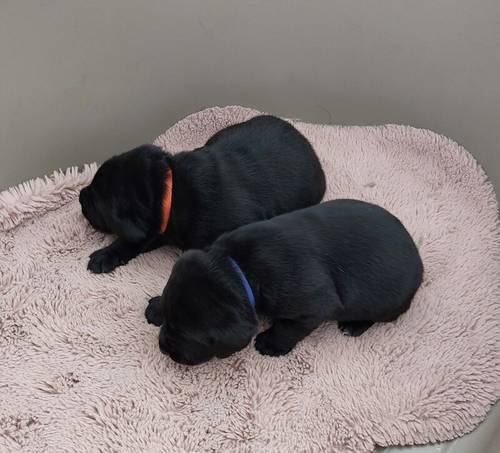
x,y
234,337
132,229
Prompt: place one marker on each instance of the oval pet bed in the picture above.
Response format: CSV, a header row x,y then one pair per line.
x,y
81,369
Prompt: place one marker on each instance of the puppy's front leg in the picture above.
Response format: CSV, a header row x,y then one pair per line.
x,y
284,334
118,253
153,313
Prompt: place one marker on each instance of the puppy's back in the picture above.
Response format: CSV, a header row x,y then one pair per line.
x,y
248,172
363,249
275,149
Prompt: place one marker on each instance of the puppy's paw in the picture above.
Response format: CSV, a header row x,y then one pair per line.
x,y
104,260
153,312
266,345
354,328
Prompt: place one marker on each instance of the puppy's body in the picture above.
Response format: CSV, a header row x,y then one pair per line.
x,y
247,172
343,260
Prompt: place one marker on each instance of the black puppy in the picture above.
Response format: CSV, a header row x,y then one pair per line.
x,y
247,172
345,260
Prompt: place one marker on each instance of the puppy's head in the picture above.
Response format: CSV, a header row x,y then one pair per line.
x,y
205,311
125,196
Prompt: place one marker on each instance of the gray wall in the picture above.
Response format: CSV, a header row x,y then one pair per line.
x,y
83,79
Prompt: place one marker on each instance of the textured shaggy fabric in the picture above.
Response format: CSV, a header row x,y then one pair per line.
x,y
81,369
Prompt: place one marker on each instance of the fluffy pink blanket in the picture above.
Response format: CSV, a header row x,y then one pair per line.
x,y
81,369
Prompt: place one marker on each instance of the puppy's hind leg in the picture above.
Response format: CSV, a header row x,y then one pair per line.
x,y
354,328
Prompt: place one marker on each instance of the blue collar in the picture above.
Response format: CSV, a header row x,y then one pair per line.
x,y
244,281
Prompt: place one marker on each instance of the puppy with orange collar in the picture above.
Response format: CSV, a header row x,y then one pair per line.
x,y
247,172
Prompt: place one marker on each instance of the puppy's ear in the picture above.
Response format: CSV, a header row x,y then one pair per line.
x,y
233,337
132,229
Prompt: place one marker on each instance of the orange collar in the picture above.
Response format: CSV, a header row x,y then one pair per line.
x,y
166,203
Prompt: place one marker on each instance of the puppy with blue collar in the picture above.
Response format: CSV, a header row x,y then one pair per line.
x,y
343,260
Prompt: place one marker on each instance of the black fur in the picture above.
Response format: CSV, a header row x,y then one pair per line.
x,y
247,172
343,260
